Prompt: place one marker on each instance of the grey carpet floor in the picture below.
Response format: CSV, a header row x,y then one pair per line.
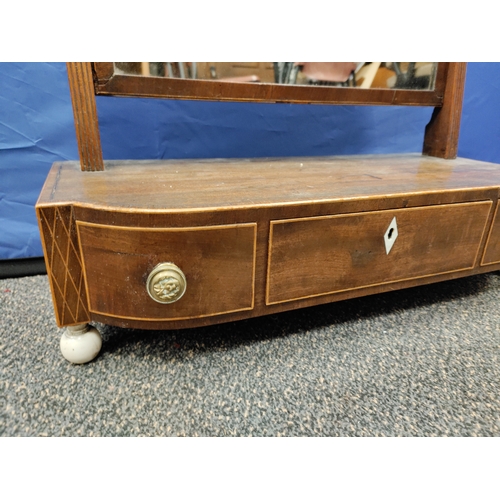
x,y
417,362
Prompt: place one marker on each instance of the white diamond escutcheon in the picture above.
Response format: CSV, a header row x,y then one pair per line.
x,y
391,235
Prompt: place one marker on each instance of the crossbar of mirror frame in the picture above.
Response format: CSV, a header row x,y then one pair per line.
x,y
109,83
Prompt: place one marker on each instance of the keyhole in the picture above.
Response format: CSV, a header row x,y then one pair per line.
x,y
390,233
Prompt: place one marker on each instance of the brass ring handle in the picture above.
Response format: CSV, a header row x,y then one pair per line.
x,y
166,283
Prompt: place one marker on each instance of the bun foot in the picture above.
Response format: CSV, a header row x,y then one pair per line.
x,y
80,344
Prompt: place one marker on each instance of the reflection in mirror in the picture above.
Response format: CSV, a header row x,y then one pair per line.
x,y
375,75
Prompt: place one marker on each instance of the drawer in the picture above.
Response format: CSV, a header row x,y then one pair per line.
x,y
217,263
323,255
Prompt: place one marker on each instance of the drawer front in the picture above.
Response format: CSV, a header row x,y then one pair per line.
x,y
323,255
217,262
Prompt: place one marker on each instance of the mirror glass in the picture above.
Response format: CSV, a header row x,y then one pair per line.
x,y
374,75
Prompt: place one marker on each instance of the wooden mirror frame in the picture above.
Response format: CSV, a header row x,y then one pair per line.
x,y
90,79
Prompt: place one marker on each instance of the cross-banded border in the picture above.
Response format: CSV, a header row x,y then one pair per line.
x,y
64,264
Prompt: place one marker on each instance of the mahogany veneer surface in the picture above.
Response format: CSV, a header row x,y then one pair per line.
x,y
321,255
185,185
262,235
219,262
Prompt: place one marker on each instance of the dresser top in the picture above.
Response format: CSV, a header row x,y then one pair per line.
x,y
186,185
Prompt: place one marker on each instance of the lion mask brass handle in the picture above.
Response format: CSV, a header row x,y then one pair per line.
x,y
166,283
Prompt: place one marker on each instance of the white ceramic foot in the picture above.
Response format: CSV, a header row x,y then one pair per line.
x,y
81,343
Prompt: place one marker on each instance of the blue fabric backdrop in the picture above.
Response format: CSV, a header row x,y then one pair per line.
x,y
36,129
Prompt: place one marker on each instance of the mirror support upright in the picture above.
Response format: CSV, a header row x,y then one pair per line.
x,y
81,87
441,133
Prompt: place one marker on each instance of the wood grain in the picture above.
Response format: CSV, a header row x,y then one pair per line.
x,y
317,256
81,87
64,264
195,185
177,88
142,200
492,251
441,133
219,264
258,236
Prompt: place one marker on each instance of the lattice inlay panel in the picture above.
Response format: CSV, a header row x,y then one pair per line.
x,y
64,264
